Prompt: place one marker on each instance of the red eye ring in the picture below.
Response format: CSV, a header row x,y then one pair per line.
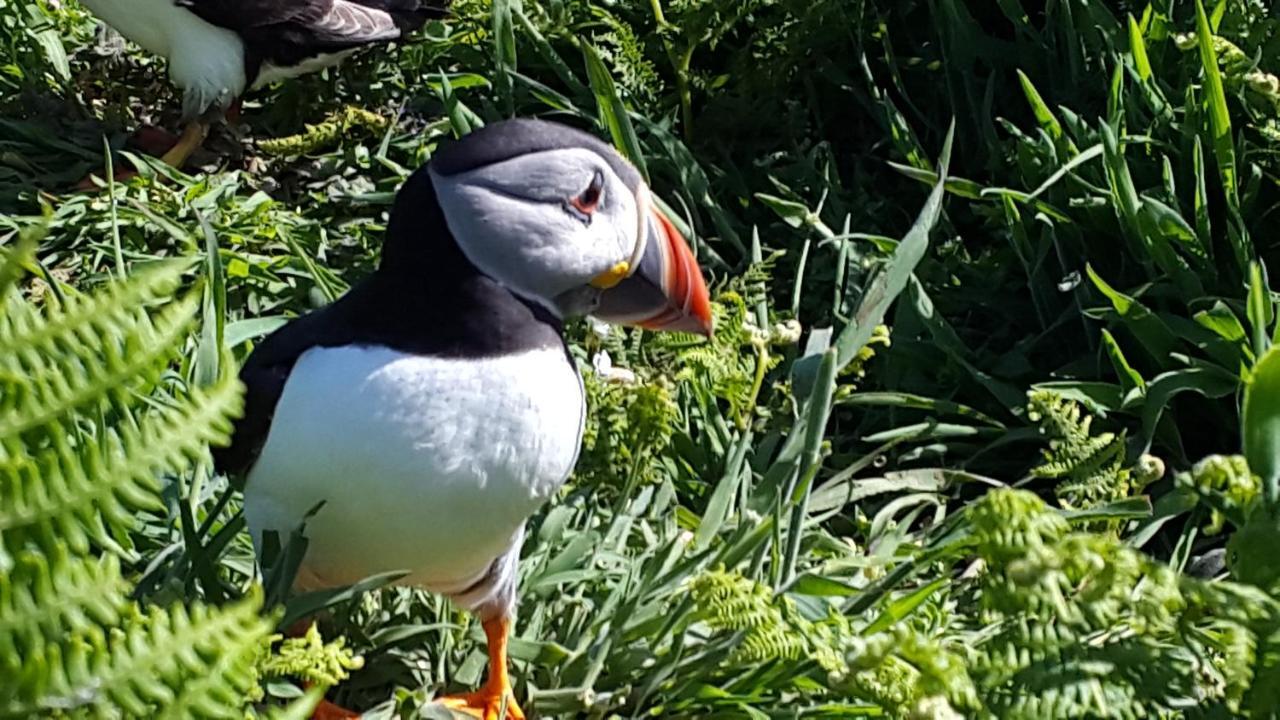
x,y
588,200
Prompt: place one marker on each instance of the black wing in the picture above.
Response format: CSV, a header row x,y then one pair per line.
x,y
328,25
264,375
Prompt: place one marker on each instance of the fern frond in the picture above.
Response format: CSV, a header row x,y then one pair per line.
x,y
198,661
1090,467
311,659
218,690
1082,458
769,643
93,349
61,494
47,597
1008,524
771,627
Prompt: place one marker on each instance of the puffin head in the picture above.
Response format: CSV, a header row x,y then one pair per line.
x,y
561,219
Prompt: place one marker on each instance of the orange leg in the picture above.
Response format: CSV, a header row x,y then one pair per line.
x,y
192,137
488,702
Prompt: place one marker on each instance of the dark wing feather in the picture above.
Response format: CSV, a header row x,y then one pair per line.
x,y
335,24
264,375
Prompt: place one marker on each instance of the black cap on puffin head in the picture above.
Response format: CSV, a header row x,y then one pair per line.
x,y
559,217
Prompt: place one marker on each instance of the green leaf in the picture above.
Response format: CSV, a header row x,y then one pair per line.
x,y
504,49
213,318
1162,389
1043,114
791,212
49,41
1130,379
822,586
1138,48
1156,337
1259,309
718,505
1222,322
817,409
1169,224
902,607
242,331
1132,508
1260,423
613,112
1219,115
893,278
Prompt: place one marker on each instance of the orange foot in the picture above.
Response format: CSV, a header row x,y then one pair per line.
x,y
486,704
489,701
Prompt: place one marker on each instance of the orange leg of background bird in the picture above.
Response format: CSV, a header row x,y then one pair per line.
x,y
154,141
192,138
487,702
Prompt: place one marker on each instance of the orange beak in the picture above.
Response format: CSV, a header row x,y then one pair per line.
x,y
666,290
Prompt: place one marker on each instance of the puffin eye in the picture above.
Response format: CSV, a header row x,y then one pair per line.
x,y
584,204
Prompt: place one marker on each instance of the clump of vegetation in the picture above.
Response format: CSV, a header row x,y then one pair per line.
x,y
80,452
1089,467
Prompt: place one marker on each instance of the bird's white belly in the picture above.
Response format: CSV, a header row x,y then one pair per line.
x,y
270,73
428,465
205,60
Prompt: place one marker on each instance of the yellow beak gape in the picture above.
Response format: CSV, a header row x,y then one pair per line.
x,y
612,276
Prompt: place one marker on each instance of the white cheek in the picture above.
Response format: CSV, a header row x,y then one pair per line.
x,y
622,219
536,249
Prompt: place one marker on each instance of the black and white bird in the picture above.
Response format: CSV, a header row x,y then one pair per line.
x,y
434,408
219,49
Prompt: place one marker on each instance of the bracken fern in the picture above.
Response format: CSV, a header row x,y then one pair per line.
x,y
80,450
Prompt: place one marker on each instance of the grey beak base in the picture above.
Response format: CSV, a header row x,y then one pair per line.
x,y
640,296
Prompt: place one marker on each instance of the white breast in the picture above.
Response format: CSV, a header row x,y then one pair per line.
x,y
271,73
428,465
205,60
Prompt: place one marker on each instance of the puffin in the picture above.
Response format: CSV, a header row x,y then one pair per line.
x,y
219,49
434,408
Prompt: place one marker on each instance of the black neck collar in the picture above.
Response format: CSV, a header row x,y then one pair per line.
x,y
430,298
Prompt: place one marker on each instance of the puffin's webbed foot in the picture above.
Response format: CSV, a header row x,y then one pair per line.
x,y
487,703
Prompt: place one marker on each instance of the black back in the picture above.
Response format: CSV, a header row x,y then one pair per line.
x,y
504,140
425,298
288,32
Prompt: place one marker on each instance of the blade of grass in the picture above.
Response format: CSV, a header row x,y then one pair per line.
x,y
1261,424
613,112
1220,125
1260,310
893,278
818,410
1138,49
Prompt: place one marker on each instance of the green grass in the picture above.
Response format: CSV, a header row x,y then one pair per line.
x,y
994,344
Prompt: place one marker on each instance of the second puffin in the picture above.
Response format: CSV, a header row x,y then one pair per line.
x,y
218,49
